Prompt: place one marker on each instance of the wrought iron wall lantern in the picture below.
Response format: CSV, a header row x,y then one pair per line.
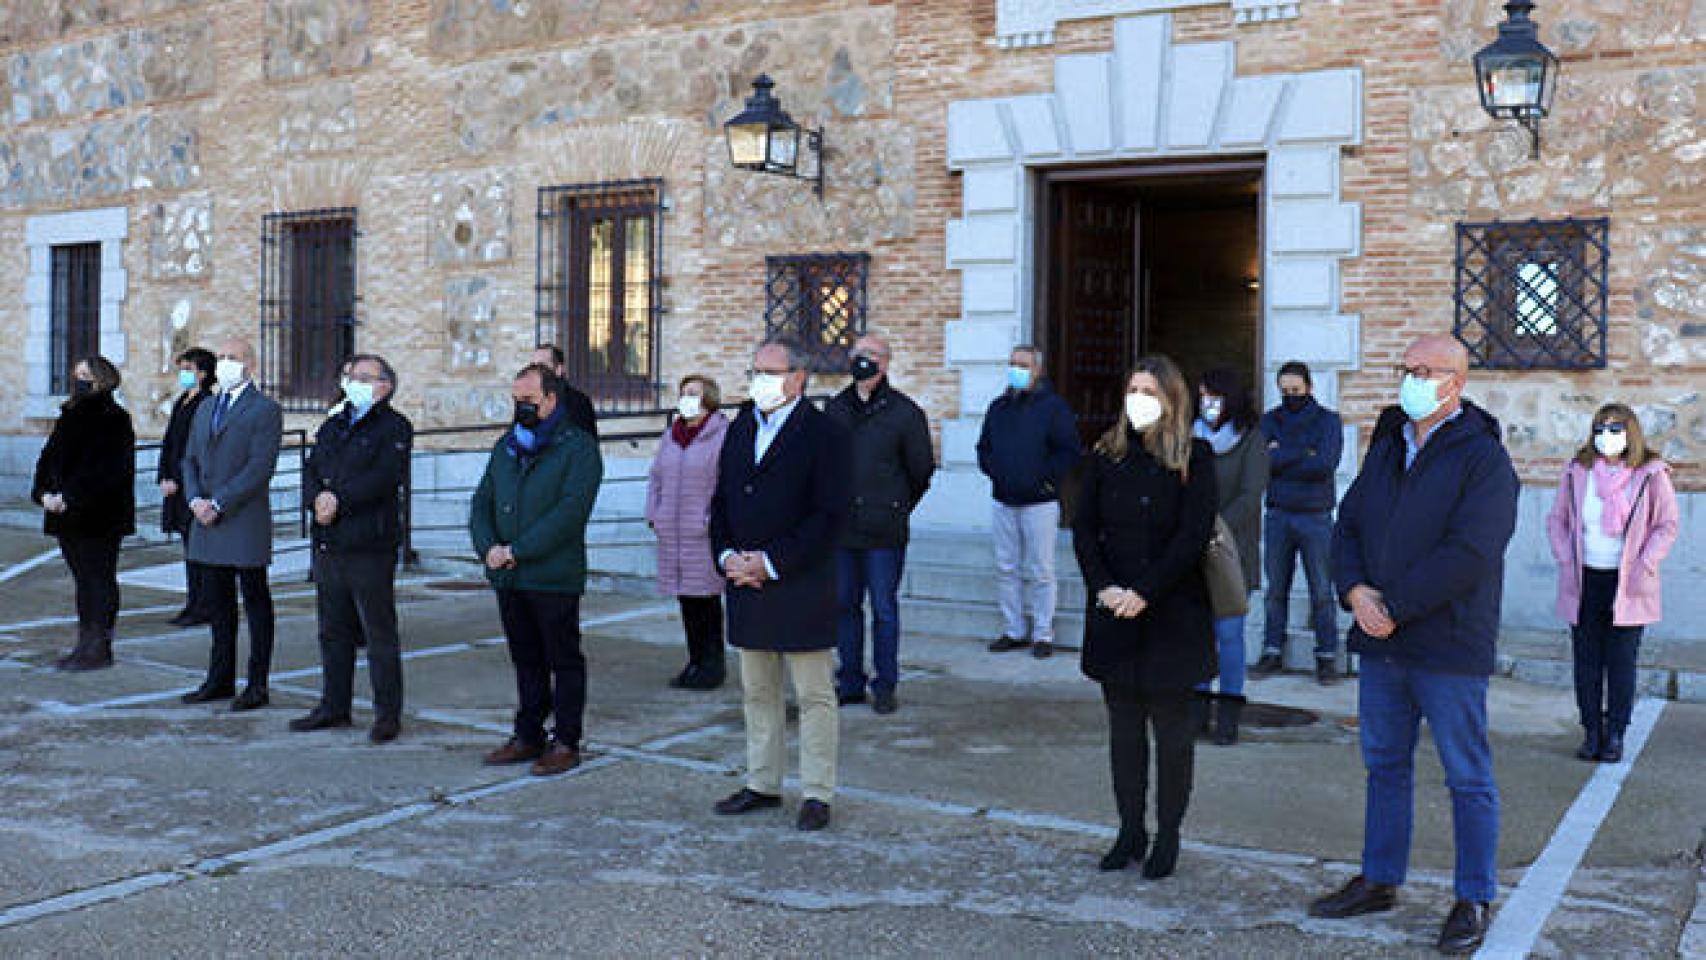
x,y
1516,74
764,138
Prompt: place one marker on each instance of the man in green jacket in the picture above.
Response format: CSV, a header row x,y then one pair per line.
x,y
528,521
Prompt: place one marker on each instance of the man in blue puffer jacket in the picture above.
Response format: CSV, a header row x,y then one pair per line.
x,y
1418,558
1028,445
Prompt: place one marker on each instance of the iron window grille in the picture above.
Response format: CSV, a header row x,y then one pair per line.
x,y
1533,295
600,280
820,300
74,327
308,305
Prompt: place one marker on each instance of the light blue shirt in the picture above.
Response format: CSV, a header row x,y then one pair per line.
x,y
1412,449
769,425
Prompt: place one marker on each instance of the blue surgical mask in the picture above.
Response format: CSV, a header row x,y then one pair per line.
x,y
187,379
1419,398
360,394
1019,378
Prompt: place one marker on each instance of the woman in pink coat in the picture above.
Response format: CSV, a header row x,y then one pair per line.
x,y
678,508
1614,519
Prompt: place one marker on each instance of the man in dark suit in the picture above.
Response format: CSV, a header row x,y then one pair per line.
x,y
355,477
227,474
782,489
576,405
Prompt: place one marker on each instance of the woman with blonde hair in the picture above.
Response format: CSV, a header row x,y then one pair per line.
x,y
1612,522
1144,517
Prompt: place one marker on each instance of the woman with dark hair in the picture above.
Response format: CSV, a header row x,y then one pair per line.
x,y
678,509
85,480
195,380
1144,516
1227,419
1613,521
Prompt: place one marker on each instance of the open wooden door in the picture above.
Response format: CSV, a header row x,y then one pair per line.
x,y
1093,256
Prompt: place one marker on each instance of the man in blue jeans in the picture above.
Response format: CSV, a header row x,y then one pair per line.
x,y
892,463
1418,558
1305,441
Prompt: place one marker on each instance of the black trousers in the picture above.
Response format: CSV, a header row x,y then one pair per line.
x,y
193,601
1604,654
703,619
94,571
544,633
1132,716
355,597
219,590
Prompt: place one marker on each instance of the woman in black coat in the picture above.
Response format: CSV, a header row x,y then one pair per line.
x,y
195,377
85,480
1145,513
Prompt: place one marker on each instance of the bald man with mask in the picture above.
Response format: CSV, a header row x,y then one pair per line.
x,y
1418,558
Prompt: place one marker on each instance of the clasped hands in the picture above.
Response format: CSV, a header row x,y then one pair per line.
x,y
1122,603
325,508
53,502
205,512
746,569
1368,605
500,557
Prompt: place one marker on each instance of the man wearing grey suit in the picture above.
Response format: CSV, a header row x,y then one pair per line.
x,y
228,468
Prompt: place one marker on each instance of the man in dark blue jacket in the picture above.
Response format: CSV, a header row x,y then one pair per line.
x,y
1028,445
1418,558
1305,441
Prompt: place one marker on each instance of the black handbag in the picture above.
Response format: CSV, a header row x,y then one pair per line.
x,y
1224,570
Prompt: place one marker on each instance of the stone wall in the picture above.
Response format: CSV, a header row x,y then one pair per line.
x,y
98,160
310,37
111,72
25,21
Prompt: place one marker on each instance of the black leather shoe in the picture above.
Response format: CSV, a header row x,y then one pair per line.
x,y
208,694
848,699
1163,855
1005,644
1465,928
252,698
1326,673
883,702
706,678
188,618
1355,899
1128,848
1269,665
384,730
318,720
1589,750
1611,750
814,815
1042,649
746,800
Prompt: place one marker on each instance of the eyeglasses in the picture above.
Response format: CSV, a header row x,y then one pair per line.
x,y
755,371
1610,426
1421,371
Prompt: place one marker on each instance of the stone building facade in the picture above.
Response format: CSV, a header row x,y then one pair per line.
x,y
1348,134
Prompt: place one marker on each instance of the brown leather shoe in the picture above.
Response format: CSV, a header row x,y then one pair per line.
x,y
1355,899
561,758
515,751
1465,928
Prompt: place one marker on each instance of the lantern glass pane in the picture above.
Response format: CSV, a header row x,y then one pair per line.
x,y
1515,83
784,149
748,144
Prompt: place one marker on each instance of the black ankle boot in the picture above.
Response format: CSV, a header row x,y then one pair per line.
x,y
87,640
1589,750
1202,713
1227,713
1130,846
1611,748
1163,855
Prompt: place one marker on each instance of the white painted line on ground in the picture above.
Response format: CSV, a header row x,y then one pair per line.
x,y
638,613
1517,926
688,736
25,566
78,899
165,607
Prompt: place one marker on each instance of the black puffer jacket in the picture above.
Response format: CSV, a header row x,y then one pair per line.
x,y
1139,526
90,459
892,464
363,463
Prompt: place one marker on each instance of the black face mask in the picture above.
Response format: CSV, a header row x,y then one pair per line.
x,y
1294,404
82,388
864,368
527,414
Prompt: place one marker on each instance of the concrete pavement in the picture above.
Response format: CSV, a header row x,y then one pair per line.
x,y
969,823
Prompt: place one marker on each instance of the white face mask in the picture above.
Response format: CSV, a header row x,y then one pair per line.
x,y
1611,445
228,373
359,393
1142,410
766,391
689,406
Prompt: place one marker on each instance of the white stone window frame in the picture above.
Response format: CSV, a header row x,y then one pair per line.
x,y
110,227
1021,24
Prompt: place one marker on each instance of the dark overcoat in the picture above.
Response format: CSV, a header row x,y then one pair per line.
x,y
1141,526
789,506
892,464
90,459
233,466
363,463
175,516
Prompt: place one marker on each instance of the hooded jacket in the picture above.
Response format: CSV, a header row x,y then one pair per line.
x,y
1432,540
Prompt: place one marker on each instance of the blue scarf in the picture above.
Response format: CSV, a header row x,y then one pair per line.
x,y
1222,439
525,444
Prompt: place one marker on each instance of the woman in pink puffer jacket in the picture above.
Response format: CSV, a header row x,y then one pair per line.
x,y
678,509
1614,519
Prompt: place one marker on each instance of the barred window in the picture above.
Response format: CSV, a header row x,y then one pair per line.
x,y
1533,295
74,319
818,299
599,276
308,305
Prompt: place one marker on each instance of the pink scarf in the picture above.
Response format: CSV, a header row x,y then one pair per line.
x,y
1611,482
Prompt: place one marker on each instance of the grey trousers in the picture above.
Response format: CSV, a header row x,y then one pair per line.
x,y
1024,567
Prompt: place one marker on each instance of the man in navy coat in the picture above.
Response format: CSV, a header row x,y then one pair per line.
x,y
1418,558
782,490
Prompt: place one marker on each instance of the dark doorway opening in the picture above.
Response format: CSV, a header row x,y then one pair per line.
x,y
1141,259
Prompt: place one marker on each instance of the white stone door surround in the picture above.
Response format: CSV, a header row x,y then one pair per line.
x,y
109,227
1149,98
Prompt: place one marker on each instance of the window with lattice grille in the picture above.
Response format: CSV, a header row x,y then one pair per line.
x,y
1533,295
819,300
74,329
308,305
